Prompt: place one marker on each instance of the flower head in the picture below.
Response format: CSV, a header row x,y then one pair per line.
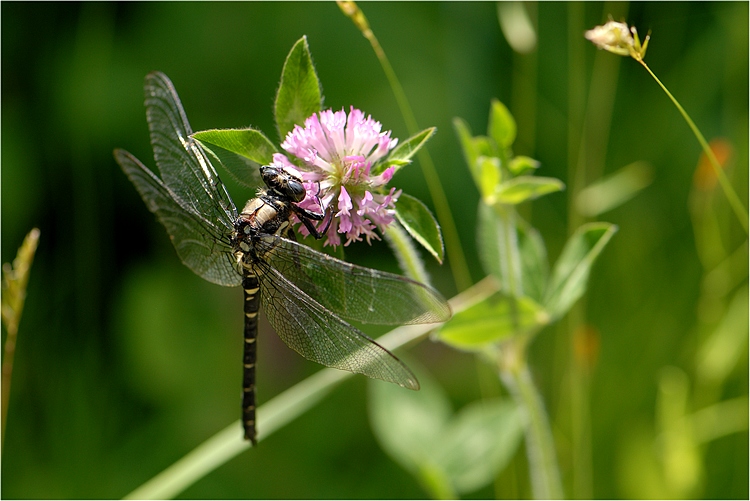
x,y
340,161
618,38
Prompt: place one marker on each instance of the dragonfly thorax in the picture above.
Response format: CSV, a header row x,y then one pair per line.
x,y
272,212
264,215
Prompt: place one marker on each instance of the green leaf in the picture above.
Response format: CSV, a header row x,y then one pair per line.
x,y
533,255
473,148
402,154
250,143
243,171
520,164
483,145
408,423
470,151
489,242
494,319
498,247
421,225
446,453
534,264
299,94
517,26
571,271
240,151
502,126
523,188
614,190
480,442
723,349
489,176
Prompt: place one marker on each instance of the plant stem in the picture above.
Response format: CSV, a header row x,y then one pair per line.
x,y
284,408
406,254
514,372
510,262
734,200
540,448
455,252
510,256
15,280
7,371
228,443
590,120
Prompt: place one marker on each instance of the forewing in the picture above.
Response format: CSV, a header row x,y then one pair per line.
x,y
319,335
354,292
183,165
202,245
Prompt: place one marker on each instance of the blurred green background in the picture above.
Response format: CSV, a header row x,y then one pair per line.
x,y
126,360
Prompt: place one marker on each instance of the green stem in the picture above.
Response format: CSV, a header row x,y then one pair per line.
x,y
228,443
434,480
408,258
540,448
15,280
510,262
284,408
510,256
9,350
459,267
514,372
734,200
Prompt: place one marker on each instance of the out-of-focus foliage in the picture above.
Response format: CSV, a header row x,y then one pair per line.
x,y
131,360
449,453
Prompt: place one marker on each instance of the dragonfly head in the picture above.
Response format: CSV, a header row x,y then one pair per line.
x,y
283,182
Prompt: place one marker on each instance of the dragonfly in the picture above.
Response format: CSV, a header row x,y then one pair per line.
x,y
308,296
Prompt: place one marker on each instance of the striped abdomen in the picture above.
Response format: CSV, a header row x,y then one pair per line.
x,y
252,304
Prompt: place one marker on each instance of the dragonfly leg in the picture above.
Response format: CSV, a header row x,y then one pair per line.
x,y
306,217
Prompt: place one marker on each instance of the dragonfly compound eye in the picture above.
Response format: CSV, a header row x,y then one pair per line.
x,y
294,189
284,182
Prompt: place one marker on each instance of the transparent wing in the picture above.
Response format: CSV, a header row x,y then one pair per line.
x,y
203,245
182,163
354,292
319,335
243,170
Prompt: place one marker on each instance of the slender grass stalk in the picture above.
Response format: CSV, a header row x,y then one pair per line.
x,y
578,170
592,151
284,408
623,40
15,280
734,200
455,252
